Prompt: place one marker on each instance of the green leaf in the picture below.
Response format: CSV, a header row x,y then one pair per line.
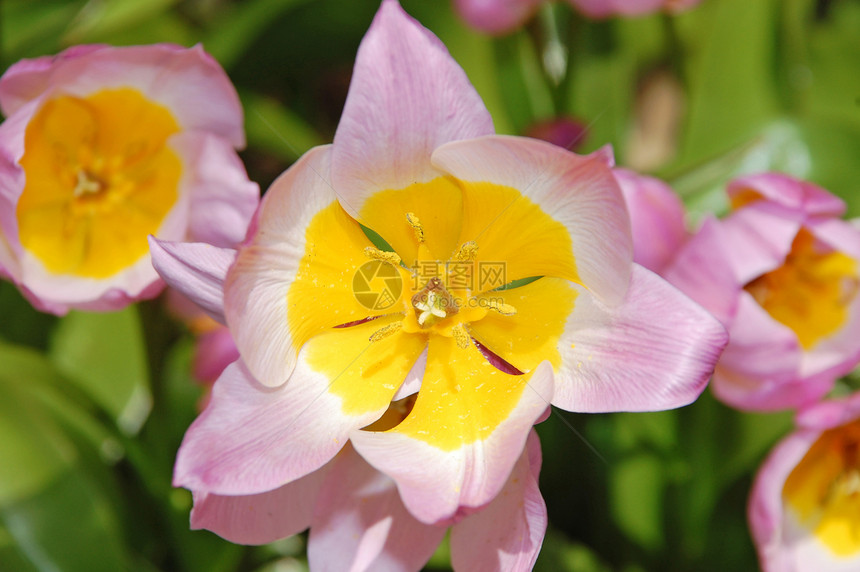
x,y
731,78
274,128
104,355
54,505
237,27
97,20
636,487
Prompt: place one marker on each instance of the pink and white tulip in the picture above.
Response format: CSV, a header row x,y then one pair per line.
x,y
333,331
781,273
104,146
504,16
804,509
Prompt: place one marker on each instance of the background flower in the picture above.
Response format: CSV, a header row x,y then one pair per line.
x,y
103,146
803,508
781,272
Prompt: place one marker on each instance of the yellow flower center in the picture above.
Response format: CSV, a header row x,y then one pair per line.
x,y
823,490
810,293
99,179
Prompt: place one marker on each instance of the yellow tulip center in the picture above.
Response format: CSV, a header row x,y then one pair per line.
x,y
823,490
99,179
810,293
442,301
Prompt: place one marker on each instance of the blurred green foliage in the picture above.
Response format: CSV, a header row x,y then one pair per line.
x,y
93,407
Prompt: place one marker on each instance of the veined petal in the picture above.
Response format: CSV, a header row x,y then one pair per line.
x,y
197,270
294,277
360,523
252,438
407,96
506,534
455,449
260,518
787,191
566,211
656,350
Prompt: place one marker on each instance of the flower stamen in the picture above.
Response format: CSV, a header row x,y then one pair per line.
x,y
500,307
467,252
381,255
386,331
461,336
416,226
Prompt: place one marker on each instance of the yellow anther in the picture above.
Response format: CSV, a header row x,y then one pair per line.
x,y
468,251
500,307
460,336
381,255
416,226
386,331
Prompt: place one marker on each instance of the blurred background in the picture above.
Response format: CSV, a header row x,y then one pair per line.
x,y
93,406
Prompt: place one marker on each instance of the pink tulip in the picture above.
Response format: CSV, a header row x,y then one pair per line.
x,y
504,16
781,274
104,146
333,331
804,509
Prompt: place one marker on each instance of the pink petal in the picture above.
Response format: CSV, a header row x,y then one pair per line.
x,y
765,511
256,288
496,16
27,79
759,369
223,199
260,518
197,270
578,192
406,98
438,486
214,351
252,438
703,271
188,81
829,414
360,522
506,534
656,350
656,218
798,195
606,8
758,238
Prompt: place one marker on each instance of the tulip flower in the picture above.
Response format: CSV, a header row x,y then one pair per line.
x,y
104,146
781,274
503,283
504,16
804,508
